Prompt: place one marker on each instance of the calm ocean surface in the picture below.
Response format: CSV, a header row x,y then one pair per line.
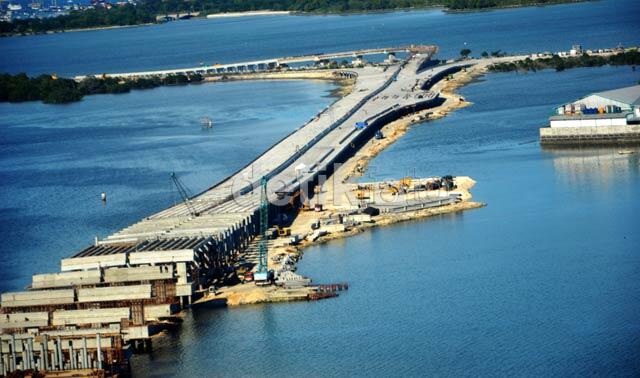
x,y
596,24
541,282
56,160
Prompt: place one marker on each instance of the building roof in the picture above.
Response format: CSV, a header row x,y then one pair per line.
x,y
627,95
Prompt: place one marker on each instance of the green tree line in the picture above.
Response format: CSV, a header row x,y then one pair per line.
x,y
100,17
147,10
52,90
630,57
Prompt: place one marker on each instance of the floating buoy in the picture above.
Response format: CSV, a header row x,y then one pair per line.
x,y
103,196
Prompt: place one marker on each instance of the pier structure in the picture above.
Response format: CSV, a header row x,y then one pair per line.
x,y
112,296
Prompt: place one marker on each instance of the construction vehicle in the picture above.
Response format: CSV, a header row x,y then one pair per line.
x,y
241,272
433,184
406,182
272,232
447,182
295,239
361,194
283,231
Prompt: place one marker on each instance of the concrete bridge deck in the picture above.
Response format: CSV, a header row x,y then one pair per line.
x,y
356,53
122,289
298,158
147,271
320,141
379,94
267,64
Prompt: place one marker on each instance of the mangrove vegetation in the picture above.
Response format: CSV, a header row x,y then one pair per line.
x,y
559,63
53,90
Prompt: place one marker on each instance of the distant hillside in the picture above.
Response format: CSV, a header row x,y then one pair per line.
x,y
147,10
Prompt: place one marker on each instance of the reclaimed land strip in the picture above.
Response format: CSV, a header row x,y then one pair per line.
x,y
356,166
338,189
114,295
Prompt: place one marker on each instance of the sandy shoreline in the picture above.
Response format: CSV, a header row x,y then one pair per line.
x,y
75,30
357,165
104,28
339,185
345,85
249,14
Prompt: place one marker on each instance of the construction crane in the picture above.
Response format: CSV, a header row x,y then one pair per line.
x,y
184,194
262,274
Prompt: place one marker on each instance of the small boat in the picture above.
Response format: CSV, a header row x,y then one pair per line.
x,y
207,123
626,152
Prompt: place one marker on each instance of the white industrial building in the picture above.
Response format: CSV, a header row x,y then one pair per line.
x,y
618,107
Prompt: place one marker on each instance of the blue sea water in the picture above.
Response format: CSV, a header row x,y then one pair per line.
x,y
540,282
596,24
55,160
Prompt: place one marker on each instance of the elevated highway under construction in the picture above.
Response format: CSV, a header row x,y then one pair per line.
x,y
113,295
270,64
